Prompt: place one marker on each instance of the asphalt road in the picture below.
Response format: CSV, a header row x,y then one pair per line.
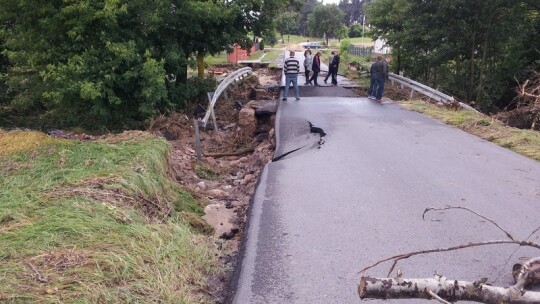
x,y
336,205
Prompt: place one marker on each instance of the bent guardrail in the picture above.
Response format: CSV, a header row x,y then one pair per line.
x,y
220,89
428,91
422,88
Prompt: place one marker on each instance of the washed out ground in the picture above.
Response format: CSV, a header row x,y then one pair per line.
x,y
233,156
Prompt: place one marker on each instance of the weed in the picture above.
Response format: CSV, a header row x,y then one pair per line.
x,y
525,142
112,229
205,171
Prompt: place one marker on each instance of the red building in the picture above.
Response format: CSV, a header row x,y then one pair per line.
x,y
239,53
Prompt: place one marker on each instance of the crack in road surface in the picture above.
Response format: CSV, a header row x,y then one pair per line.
x,y
312,129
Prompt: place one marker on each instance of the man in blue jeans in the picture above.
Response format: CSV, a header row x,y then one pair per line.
x,y
379,74
291,68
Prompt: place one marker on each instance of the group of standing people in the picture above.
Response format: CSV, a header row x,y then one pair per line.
x,y
312,64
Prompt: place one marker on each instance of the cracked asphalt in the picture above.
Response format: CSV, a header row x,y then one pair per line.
x,y
327,210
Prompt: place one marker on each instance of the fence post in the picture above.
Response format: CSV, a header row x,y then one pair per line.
x,y
198,147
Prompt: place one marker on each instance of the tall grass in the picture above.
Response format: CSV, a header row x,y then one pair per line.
x,y
524,142
74,227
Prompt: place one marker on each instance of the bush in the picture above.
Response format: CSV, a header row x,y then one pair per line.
x,y
183,95
261,45
355,31
344,46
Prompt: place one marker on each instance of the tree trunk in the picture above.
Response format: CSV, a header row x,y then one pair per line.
x,y
470,85
200,65
326,35
449,290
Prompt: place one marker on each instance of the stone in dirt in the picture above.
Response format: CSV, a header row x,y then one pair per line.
x,y
247,120
202,185
265,107
217,193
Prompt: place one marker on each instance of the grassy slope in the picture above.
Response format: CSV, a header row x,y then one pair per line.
x,y
524,142
71,217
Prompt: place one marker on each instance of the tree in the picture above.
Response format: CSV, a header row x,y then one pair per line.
x,y
355,30
343,33
307,8
286,23
470,48
388,18
117,63
325,20
353,9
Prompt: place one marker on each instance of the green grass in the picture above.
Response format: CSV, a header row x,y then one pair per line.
x,y
524,142
359,40
97,222
220,58
256,56
272,56
294,39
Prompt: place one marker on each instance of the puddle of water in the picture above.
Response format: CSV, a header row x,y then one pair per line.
x,y
219,217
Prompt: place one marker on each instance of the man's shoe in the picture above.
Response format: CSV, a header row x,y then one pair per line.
x,y
371,97
297,98
284,99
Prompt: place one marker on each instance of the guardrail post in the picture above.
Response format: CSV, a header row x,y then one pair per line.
x,y
214,120
411,95
212,114
198,147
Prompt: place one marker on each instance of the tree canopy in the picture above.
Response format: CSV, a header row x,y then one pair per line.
x,y
286,23
474,49
326,20
112,63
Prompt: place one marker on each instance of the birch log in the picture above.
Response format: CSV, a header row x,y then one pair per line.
x,y
449,290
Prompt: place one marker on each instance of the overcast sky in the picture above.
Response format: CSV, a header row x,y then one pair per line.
x,y
330,1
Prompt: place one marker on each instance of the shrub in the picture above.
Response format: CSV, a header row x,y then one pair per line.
x,y
344,45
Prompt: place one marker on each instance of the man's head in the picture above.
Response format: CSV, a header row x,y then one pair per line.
x,y
319,53
379,58
291,53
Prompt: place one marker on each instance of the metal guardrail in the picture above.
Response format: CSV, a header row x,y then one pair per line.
x,y
213,96
428,91
421,88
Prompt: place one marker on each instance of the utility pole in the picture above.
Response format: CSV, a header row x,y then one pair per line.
x,y
363,27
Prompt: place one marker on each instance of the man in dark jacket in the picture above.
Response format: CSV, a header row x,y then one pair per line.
x,y
379,73
335,67
316,67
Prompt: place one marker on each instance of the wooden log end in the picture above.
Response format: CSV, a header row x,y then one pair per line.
x,y
362,287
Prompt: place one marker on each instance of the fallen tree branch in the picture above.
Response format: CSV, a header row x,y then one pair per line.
x,y
471,211
235,153
38,275
399,257
449,290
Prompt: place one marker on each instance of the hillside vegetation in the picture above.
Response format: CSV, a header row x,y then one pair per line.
x,y
97,222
